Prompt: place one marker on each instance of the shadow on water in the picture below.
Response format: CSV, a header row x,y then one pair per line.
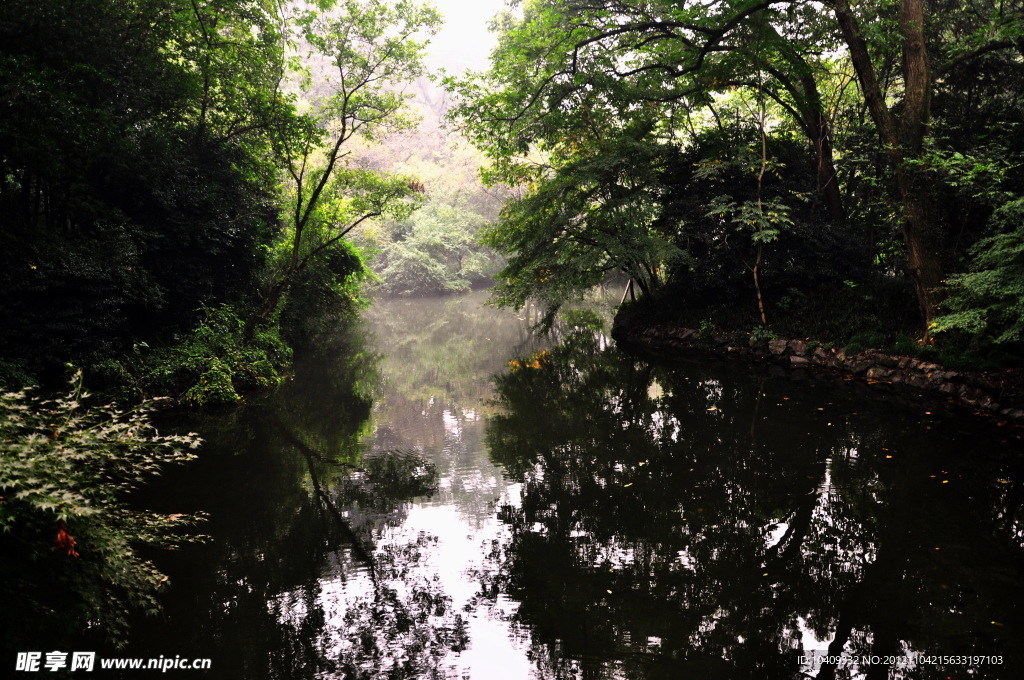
x,y
696,521
437,495
293,583
312,570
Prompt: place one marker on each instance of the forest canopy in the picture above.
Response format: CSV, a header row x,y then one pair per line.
x,y
178,185
828,167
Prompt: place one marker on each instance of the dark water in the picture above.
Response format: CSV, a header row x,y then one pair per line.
x,y
439,496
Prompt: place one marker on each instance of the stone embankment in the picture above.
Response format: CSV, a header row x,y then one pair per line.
x,y
983,391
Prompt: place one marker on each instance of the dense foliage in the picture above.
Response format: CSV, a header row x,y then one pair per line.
x,y
162,158
784,159
177,193
65,467
436,250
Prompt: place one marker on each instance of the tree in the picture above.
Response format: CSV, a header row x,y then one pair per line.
x,y
373,49
136,182
988,299
565,64
590,209
902,130
570,76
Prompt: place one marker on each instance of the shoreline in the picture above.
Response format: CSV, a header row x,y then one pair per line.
x,y
997,393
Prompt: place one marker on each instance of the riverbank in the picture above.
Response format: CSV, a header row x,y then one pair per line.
x,y
1000,393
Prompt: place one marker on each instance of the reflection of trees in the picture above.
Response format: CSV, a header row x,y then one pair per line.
x,y
442,349
439,356
672,521
296,514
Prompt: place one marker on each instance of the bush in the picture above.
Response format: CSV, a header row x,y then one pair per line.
x,y
414,272
68,537
217,360
987,301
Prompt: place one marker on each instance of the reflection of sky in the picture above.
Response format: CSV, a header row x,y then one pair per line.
x,y
495,651
461,514
436,403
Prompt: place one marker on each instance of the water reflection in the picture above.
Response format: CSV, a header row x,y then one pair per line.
x,y
346,507
439,495
688,521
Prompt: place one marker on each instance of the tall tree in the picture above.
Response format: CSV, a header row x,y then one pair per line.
x,y
902,129
135,184
564,62
373,48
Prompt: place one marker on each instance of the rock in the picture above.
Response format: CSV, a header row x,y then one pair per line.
x,y
857,366
776,346
878,373
797,347
799,361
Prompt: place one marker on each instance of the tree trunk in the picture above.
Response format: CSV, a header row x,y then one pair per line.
x,y
903,139
920,237
812,118
827,178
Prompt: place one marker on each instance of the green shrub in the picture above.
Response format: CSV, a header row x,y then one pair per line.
x,y
868,340
217,360
905,345
987,301
68,537
583,319
214,387
12,374
763,333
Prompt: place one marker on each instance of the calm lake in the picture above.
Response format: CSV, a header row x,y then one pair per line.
x,y
440,494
